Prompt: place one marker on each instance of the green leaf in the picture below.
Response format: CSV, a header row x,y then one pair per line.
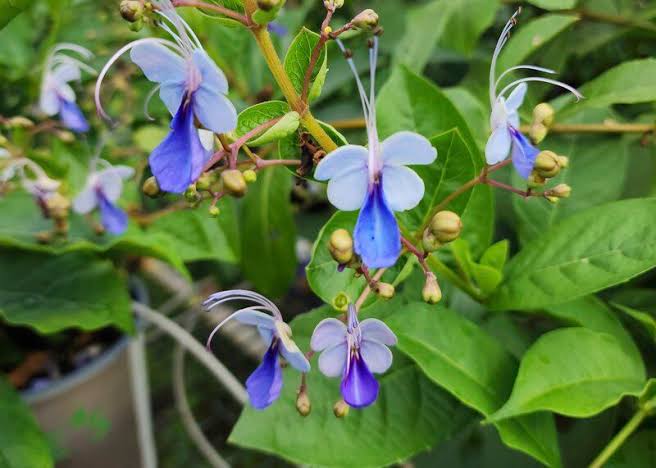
x,y
475,113
639,451
21,221
554,4
268,233
575,372
286,126
297,62
451,24
640,305
496,255
595,249
53,292
148,137
262,113
10,8
459,356
406,400
22,443
628,83
531,37
195,235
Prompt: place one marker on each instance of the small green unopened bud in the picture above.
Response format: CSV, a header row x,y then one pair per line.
x,y
537,132
546,164
446,226
250,176
137,25
268,5
431,292
341,409
561,191
234,182
543,114
150,187
131,10
58,206
341,246
341,302
337,3
553,200
535,180
385,290
303,404
65,136
429,242
563,161
20,122
366,19
214,211
204,182
191,194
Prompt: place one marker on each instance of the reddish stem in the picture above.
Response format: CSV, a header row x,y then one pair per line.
x,y
410,247
211,6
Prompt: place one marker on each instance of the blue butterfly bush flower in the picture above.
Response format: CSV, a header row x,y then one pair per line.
x,y
354,351
375,179
191,86
504,120
32,177
102,190
57,97
265,383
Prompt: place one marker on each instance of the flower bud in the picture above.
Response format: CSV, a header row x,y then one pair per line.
x,y
366,19
250,176
234,182
431,292
543,114
65,136
191,194
303,404
214,211
546,164
150,187
563,161
204,182
385,290
57,206
131,10
429,242
446,226
553,200
341,246
537,132
268,5
137,25
341,302
535,180
561,191
341,409
20,122
336,3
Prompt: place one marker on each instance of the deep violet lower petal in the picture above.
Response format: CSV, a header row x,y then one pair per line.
x,y
264,384
359,386
523,153
72,116
114,219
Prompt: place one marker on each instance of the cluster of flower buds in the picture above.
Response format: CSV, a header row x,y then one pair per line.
x,y
367,20
136,12
547,166
444,227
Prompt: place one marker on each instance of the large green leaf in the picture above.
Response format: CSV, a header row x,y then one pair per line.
x,y
459,356
22,444
261,113
10,8
628,83
595,249
449,23
639,451
554,4
196,235
268,233
21,221
411,415
54,292
640,305
575,372
297,62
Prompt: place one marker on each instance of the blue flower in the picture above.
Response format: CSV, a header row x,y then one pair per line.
x,y
354,352
375,180
264,384
192,87
102,190
504,119
57,96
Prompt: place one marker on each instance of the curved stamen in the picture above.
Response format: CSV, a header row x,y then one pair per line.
x,y
242,294
230,317
115,57
503,38
61,59
148,99
569,88
358,82
523,67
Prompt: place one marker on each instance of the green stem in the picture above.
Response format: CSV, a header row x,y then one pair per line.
x,y
617,441
440,268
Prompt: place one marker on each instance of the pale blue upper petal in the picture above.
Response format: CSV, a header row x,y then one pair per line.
x,y
159,63
498,145
86,200
374,329
256,318
402,186
111,180
212,76
344,159
294,357
406,147
347,191
214,111
333,360
171,94
513,119
516,97
377,356
328,333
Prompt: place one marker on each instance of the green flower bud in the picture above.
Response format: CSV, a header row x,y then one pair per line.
x,y
561,191
563,161
341,409
150,187
131,10
204,182
65,136
341,246
341,302
543,114
137,25
535,180
431,292
214,211
385,290
546,164
57,206
429,242
234,182
268,5
191,194
445,226
250,176
552,200
337,3
303,404
537,132
20,122
366,19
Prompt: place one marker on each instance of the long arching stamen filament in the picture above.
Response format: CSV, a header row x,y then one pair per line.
x,y
61,59
151,93
230,317
358,82
569,88
241,294
497,50
522,67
